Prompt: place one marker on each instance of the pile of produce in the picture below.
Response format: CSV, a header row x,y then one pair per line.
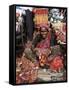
x,y
26,70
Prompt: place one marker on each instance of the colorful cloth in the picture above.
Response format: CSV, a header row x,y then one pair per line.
x,y
44,43
56,64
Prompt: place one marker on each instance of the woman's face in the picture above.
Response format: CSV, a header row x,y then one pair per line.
x,y
44,32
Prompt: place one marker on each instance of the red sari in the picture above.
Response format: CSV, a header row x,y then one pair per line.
x,y
44,43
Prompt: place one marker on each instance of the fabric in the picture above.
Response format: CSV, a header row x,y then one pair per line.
x,y
57,64
29,24
44,43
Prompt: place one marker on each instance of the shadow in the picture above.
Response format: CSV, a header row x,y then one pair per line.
x,y
6,82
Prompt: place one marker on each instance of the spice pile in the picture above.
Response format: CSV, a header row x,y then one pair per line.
x,y
26,70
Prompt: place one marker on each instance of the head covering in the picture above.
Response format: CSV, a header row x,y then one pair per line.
x,y
44,27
